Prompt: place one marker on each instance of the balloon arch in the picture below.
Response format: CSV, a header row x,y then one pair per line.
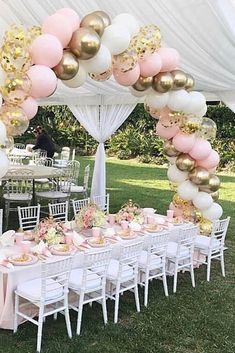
x,y
69,49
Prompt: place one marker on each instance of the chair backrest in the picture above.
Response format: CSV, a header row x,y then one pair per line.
x,y
65,153
28,217
129,255
86,177
187,237
38,157
46,162
19,186
15,160
61,182
157,243
59,211
56,271
73,169
79,204
1,220
20,146
102,202
219,230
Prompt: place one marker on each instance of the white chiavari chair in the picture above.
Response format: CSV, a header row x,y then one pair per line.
x,y
48,292
89,282
122,274
152,262
20,146
65,153
46,162
29,217
76,189
15,160
213,247
79,204
1,220
102,202
180,254
73,168
59,211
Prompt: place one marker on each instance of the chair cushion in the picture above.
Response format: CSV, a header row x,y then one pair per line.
x,y
32,289
52,194
17,196
172,250
203,242
155,260
76,276
76,188
113,269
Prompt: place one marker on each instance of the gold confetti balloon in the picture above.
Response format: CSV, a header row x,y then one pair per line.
x,y
190,124
207,129
205,226
15,119
33,33
125,61
147,41
104,76
16,88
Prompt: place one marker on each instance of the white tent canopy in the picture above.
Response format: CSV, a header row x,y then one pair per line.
x,y
201,30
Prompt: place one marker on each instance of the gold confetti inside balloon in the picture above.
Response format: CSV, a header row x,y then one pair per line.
x,y
207,129
15,119
125,61
205,226
179,202
147,41
104,76
16,88
33,33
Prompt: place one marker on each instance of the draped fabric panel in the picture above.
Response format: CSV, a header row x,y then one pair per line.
x,y
101,122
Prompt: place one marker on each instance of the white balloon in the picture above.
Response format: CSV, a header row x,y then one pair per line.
x,y
196,102
187,190
172,160
100,62
116,38
128,21
203,200
157,100
178,99
175,175
78,79
202,112
4,164
3,133
214,212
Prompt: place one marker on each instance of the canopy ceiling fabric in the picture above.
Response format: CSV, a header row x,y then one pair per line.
x,y
201,30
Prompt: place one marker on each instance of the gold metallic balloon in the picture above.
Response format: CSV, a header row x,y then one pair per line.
x,y
179,78
163,82
16,88
207,129
125,61
215,195
185,163
67,67
205,226
104,76
143,83
105,17
147,41
93,21
199,176
169,149
85,43
15,119
213,184
189,82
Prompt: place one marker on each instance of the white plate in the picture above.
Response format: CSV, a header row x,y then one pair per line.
x,y
16,260
94,242
61,249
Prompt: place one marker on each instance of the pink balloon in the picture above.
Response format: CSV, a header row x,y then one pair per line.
x,y
72,16
30,107
201,149
177,211
44,81
211,161
166,132
170,59
184,142
59,26
151,65
127,78
46,50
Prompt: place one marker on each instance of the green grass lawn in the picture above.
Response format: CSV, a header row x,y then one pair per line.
x,y
199,320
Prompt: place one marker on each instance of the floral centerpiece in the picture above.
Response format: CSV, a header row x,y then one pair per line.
x,y
130,212
90,216
50,231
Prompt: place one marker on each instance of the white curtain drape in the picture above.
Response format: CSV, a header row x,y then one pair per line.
x,y
101,122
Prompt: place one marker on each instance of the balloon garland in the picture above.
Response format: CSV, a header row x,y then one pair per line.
x,y
70,49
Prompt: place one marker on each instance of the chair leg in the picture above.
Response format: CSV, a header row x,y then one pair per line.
x,y
116,303
192,273
208,268
165,283
7,211
137,301
67,319
146,288
16,313
80,308
222,263
40,324
175,276
104,308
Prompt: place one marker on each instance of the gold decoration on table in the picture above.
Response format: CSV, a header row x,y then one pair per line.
x,y
169,149
85,43
147,41
179,78
105,17
205,226
189,82
207,129
143,83
16,88
93,21
185,163
163,82
67,67
199,176
104,76
213,184
125,61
